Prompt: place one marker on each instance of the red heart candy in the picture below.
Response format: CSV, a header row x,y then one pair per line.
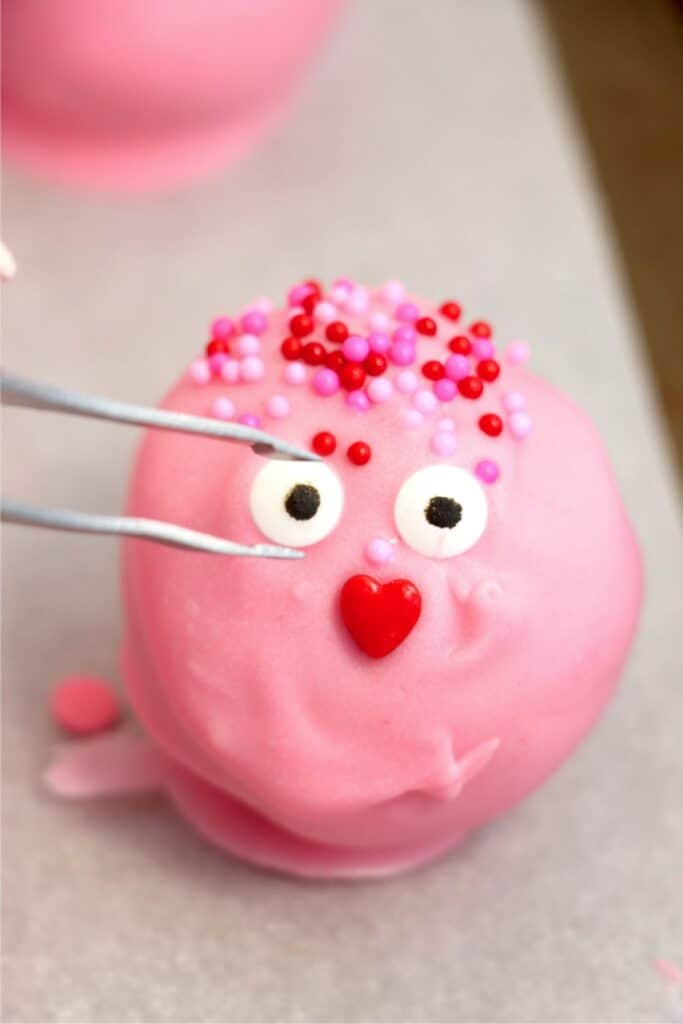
x,y
379,616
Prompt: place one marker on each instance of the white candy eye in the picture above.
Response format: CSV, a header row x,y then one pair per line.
x,y
440,511
296,503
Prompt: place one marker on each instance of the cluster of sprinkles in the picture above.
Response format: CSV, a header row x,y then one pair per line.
x,y
369,366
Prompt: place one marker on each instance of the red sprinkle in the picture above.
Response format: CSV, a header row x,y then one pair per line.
x,y
335,361
313,353
84,704
315,286
216,346
375,364
433,370
291,348
324,443
480,329
491,424
470,387
488,369
337,332
352,376
461,345
451,310
301,325
425,325
359,453
309,302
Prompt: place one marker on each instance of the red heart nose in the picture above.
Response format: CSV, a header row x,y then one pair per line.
x,y
379,616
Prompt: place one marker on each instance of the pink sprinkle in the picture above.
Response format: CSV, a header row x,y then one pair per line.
x,y
248,345
216,362
457,366
297,294
324,312
443,442
519,425
295,373
407,312
380,390
411,417
424,401
264,304
444,389
340,295
514,401
482,348
405,333
487,470
446,423
392,292
345,283
254,322
222,328
358,301
200,371
325,382
223,408
250,419
406,381
379,551
278,406
252,369
230,370
402,353
517,353
355,348
379,342
358,400
84,705
670,971
379,321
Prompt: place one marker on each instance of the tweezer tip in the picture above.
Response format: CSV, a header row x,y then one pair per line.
x,y
284,451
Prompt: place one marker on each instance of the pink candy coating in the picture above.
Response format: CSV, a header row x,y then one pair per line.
x,y
379,551
517,353
443,442
355,348
248,345
379,390
325,382
223,408
295,373
230,370
519,425
457,366
425,401
252,369
513,401
406,382
200,371
487,470
222,328
445,389
278,406
254,322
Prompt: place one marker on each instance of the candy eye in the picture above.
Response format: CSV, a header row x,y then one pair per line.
x,y
296,503
440,511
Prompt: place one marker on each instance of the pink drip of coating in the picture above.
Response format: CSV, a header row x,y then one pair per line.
x,y
444,442
200,371
278,406
223,408
222,328
379,551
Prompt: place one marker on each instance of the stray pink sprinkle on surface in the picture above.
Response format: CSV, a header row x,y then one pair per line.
x,y
200,371
670,971
230,370
444,442
278,406
517,353
83,705
223,408
295,373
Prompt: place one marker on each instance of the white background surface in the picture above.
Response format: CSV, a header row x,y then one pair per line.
x,y
432,144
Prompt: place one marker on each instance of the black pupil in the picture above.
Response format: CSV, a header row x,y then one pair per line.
x,y
302,502
443,512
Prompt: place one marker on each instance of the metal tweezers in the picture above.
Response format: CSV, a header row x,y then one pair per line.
x,y
17,392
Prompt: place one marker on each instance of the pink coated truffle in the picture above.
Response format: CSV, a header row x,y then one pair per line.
x,y
487,470
445,423
216,361
407,333
402,353
379,321
412,418
358,401
407,312
379,342
250,419
324,312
